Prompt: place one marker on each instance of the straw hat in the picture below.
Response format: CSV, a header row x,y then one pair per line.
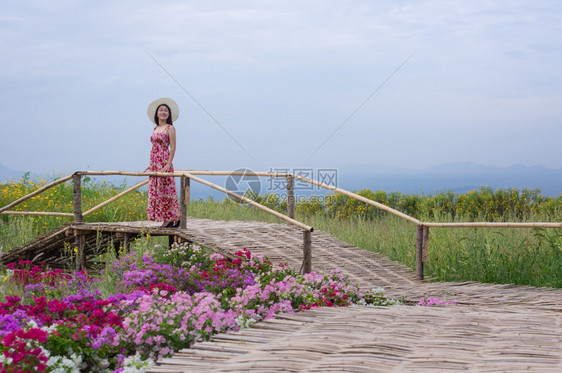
x,y
164,100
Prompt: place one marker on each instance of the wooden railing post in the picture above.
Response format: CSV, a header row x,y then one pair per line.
x,y
79,238
419,251
80,243
125,242
290,196
425,241
184,201
307,252
77,198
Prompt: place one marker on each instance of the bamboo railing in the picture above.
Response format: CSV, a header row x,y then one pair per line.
x,y
422,228
185,176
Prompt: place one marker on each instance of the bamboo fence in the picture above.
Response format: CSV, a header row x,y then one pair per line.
x,y
422,228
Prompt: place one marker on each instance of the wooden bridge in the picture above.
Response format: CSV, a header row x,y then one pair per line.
x,y
490,328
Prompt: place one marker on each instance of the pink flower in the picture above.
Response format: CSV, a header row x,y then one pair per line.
x,y
430,301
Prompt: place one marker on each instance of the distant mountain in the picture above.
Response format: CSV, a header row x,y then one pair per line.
x,y
7,172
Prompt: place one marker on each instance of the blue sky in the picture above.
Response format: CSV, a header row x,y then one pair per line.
x,y
483,85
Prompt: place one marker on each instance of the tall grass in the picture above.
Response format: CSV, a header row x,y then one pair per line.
x,y
519,256
496,255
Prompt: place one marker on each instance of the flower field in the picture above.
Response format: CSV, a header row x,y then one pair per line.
x,y
148,303
484,204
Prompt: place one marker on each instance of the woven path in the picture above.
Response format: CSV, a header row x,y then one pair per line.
x,y
492,328
382,339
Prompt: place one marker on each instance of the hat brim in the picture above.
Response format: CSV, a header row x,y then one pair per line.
x,y
164,100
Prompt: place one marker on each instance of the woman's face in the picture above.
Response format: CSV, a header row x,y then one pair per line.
x,y
163,113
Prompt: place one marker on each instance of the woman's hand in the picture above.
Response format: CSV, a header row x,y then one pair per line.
x,y
166,167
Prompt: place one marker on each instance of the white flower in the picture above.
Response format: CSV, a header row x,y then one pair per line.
x,y
62,364
45,351
360,302
4,361
243,322
134,364
49,329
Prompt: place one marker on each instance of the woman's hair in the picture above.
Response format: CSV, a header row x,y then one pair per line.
x,y
169,120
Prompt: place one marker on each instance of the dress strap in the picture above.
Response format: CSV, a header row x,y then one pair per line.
x,y
165,130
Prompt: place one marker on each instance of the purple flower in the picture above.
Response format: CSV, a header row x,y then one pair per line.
x,y
33,290
139,278
83,295
106,336
12,322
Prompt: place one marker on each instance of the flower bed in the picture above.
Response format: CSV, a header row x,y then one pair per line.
x,y
154,304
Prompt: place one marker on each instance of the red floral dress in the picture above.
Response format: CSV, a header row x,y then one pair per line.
x,y
162,197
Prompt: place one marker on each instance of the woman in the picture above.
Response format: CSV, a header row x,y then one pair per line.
x,y
162,197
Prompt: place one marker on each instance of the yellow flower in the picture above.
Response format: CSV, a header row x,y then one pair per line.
x,y
75,250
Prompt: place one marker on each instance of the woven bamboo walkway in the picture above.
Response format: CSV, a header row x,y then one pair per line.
x,y
491,328
382,339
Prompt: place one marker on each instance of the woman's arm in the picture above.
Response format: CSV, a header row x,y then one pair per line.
x,y
172,137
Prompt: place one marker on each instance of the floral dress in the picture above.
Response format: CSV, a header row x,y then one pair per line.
x,y
162,197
